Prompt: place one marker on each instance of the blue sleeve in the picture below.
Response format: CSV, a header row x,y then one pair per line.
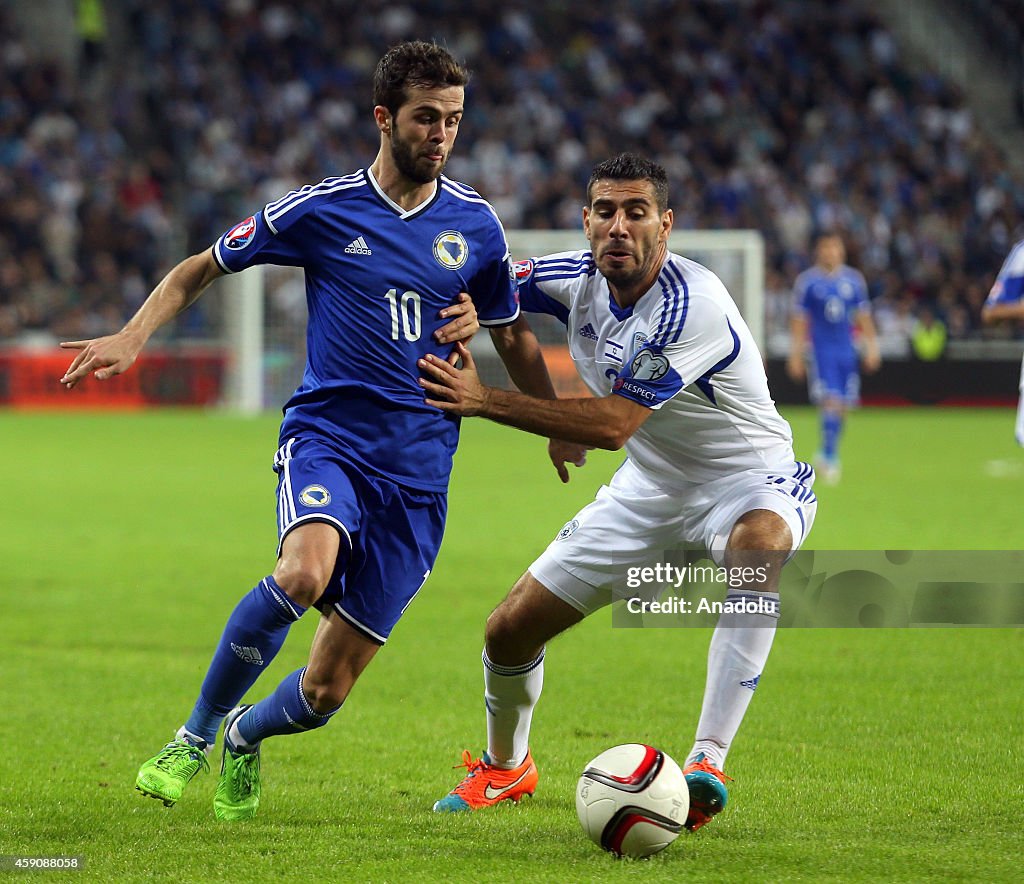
x,y
494,293
1009,284
1007,291
532,299
493,287
253,241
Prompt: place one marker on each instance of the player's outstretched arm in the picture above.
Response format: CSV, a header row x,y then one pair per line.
x,y
114,354
600,423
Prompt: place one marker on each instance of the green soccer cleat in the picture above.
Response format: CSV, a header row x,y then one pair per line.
x,y
167,773
238,792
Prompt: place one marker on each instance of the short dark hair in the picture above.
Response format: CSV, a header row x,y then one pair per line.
x,y
415,63
630,167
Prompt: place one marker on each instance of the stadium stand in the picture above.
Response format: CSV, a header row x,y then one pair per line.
x,y
786,117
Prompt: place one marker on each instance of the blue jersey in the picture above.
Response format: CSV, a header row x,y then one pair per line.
x,y
1009,285
376,277
830,302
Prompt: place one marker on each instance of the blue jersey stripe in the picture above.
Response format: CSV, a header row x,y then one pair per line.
x,y
686,304
446,185
274,211
573,274
672,319
563,264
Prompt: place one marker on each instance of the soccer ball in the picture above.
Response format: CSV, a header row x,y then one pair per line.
x,y
632,800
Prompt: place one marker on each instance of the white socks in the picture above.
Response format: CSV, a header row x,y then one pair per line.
x,y
510,693
736,658
199,742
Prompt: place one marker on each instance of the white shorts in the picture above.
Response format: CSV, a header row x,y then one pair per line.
x,y
632,522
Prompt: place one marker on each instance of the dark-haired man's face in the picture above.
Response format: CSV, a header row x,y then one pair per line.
x,y
628,234
424,129
830,252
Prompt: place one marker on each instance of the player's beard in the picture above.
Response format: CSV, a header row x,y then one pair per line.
x,y
626,277
417,169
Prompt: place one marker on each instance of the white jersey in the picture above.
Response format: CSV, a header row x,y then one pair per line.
x,y
684,351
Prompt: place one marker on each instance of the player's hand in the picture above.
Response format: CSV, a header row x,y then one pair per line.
x,y
796,368
455,390
562,453
461,326
103,357
872,361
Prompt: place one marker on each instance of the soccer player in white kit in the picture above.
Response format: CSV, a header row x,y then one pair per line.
x,y
679,382
1005,303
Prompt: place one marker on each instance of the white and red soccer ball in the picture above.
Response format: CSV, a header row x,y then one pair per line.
x,y
632,800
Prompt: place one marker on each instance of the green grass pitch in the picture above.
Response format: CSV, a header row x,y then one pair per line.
x,y
867,755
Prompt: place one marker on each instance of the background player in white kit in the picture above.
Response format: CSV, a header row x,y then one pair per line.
x,y
678,381
1005,303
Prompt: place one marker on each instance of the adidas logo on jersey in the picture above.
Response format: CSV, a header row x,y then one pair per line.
x,y
358,246
751,683
588,331
249,655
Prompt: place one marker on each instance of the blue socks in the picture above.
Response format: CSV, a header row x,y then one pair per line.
x,y
252,637
831,429
286,711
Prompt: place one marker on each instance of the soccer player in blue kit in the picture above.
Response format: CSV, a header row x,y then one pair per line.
x,y
1005,303
389,254
830,300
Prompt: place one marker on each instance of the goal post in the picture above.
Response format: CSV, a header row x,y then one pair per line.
x,y
244,321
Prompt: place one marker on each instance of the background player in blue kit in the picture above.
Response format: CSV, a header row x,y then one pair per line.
x,y
364,462
830,301
1005,303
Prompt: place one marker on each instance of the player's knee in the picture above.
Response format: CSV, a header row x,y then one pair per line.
x,y
302,581
760,531
507,642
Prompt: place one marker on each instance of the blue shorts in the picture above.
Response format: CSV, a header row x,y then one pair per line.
x,y
835,377
392,533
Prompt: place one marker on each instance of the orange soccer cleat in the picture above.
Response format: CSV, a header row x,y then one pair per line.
x,y
485,784
707,792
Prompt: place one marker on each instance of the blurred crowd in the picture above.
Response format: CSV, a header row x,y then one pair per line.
x,y
787,117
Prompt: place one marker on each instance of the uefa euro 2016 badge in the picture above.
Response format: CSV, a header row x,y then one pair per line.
x,y
315,495
239,236
451,249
